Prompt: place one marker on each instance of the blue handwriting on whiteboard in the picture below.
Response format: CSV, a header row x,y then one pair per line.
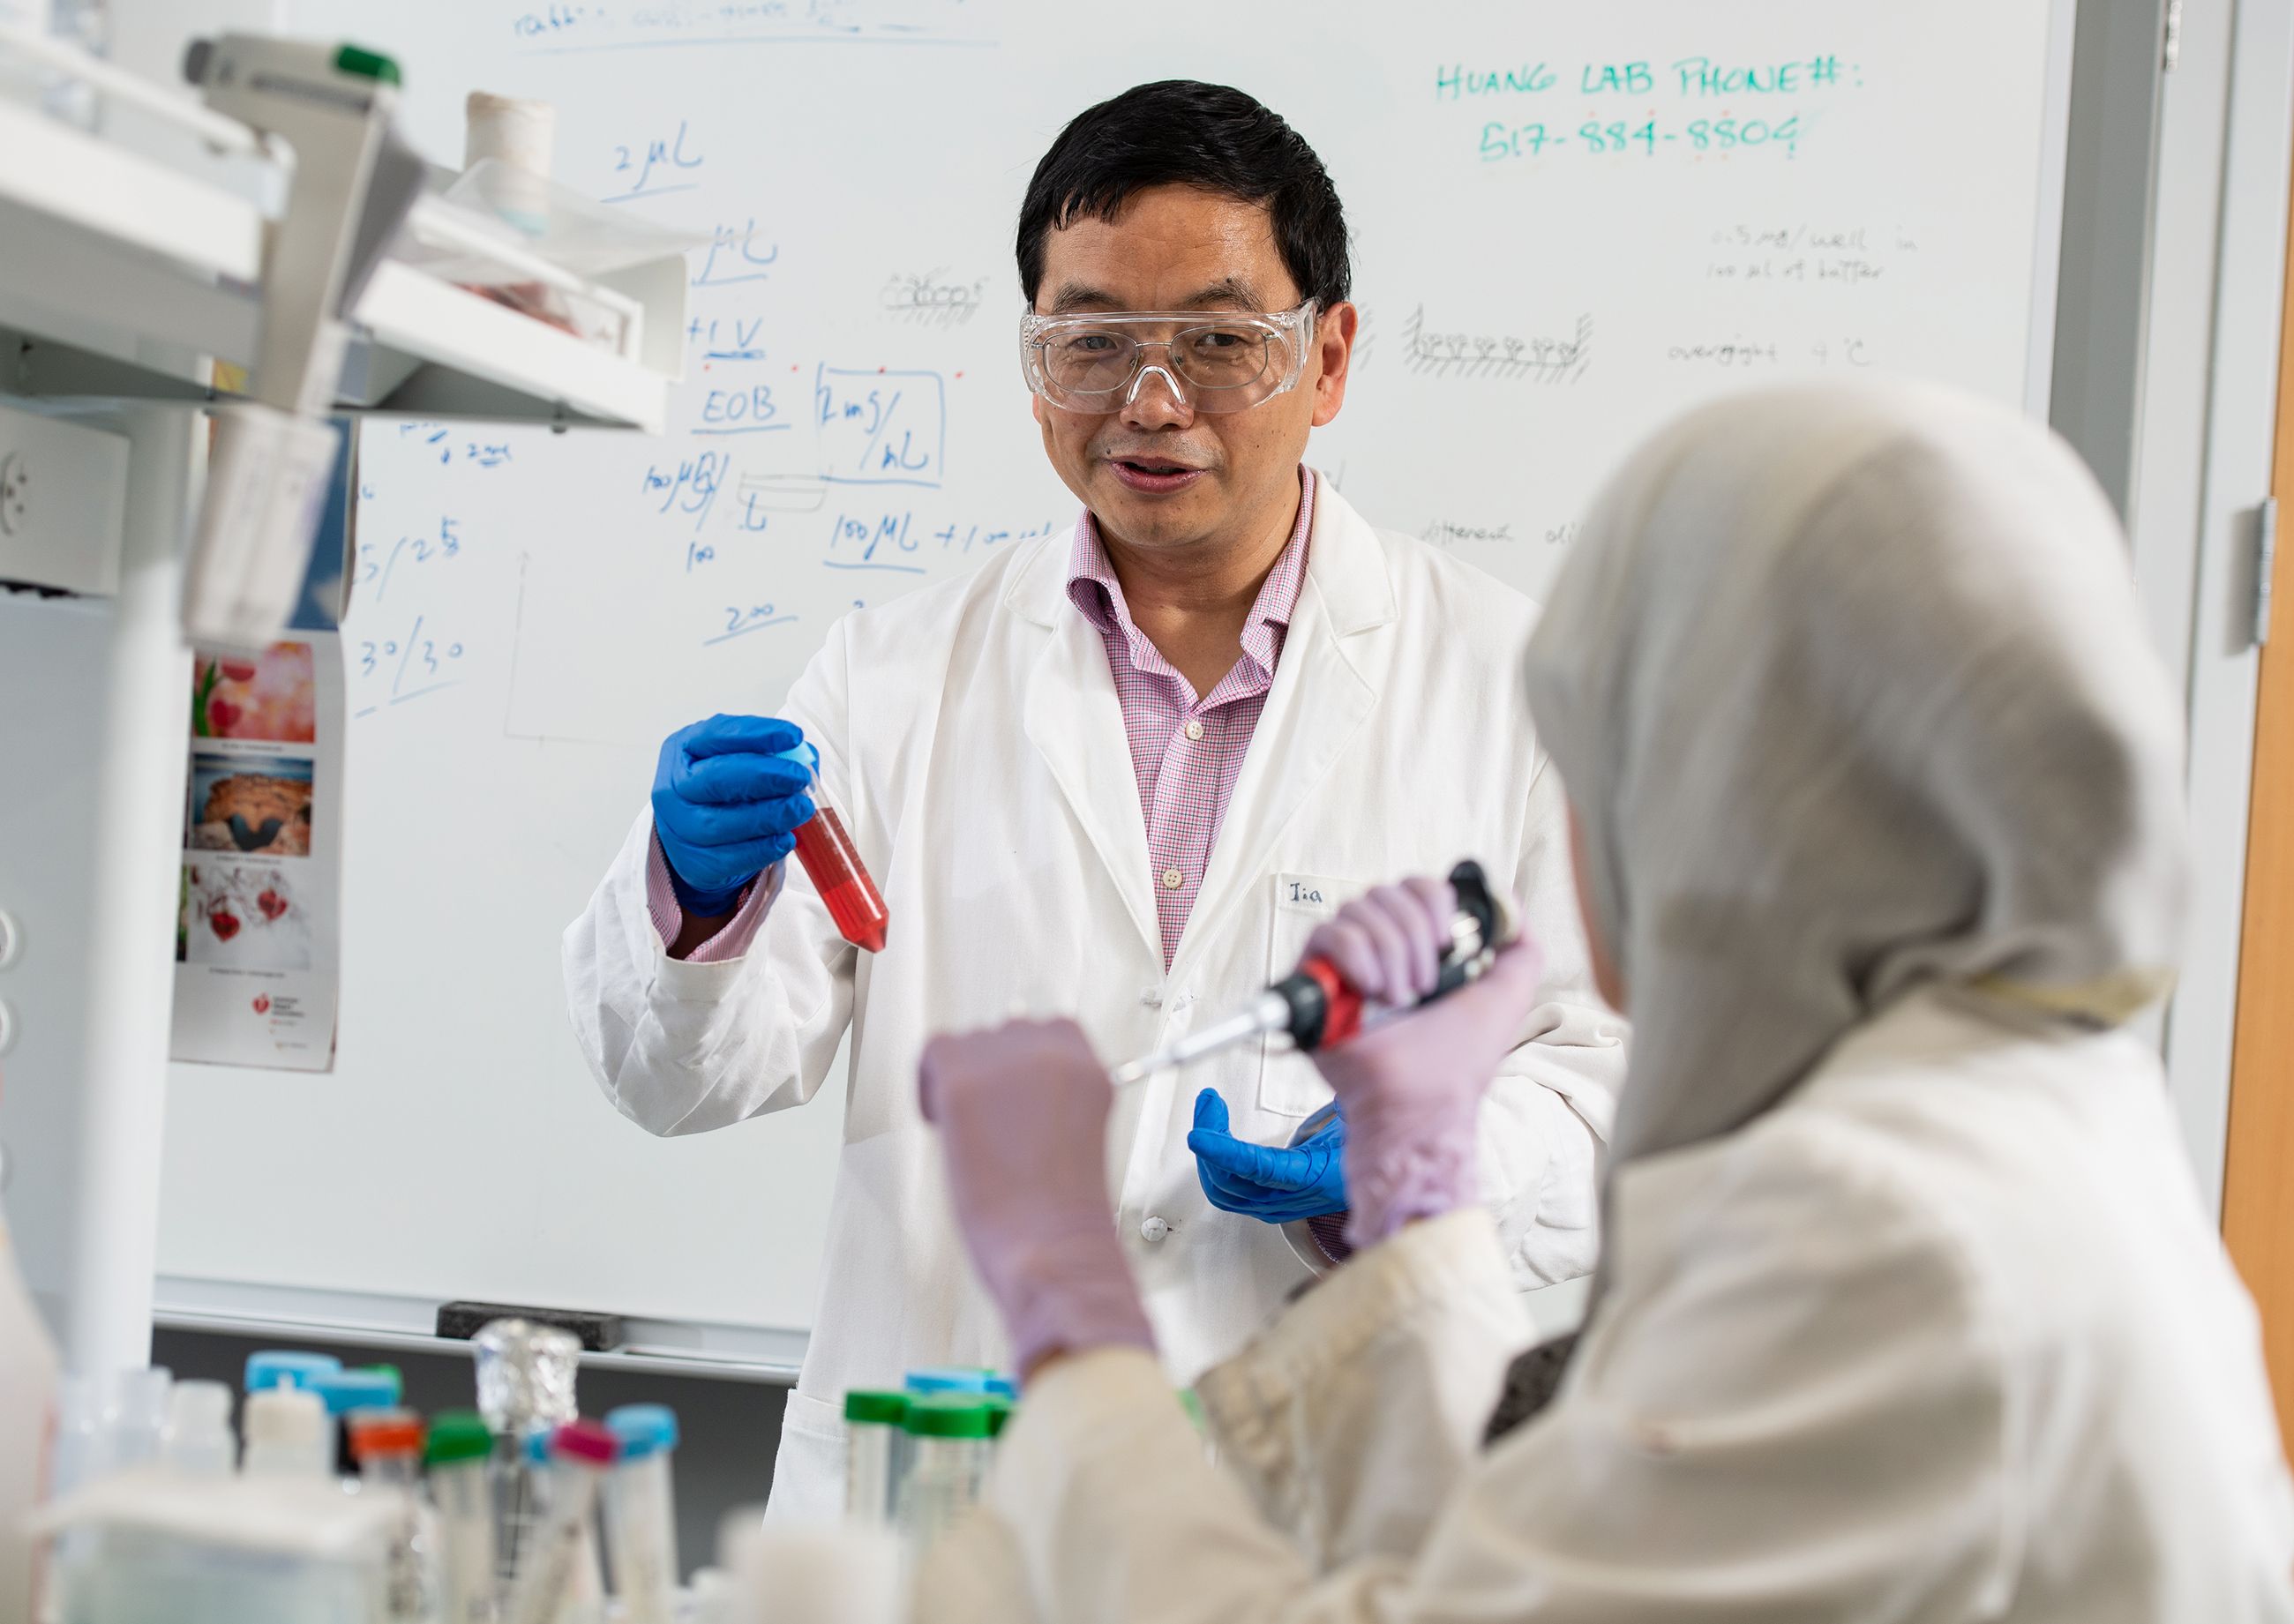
x,y
855,541
553,18
729,337
691,487
392,669
376,566
656,168
881,427
732,257
748,411
740,623
891,541
451,447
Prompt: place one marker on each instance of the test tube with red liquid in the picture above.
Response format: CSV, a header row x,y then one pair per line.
x,y
834,867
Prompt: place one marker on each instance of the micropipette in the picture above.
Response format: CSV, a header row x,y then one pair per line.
x,y
1314,1007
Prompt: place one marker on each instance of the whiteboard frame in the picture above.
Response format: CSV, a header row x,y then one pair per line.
x,y
364,1319
2228,128
2047,248
748,1354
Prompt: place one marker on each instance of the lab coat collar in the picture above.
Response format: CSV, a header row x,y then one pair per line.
x,y
1323,690
1344,562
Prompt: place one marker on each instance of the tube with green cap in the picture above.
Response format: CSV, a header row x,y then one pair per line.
x,y
873,1454
457,1453
950,1438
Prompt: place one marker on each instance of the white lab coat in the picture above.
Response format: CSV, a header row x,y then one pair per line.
x,y
1945,1336
970,737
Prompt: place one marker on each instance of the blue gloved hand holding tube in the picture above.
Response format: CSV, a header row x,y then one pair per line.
x,y
725,802
1276,1184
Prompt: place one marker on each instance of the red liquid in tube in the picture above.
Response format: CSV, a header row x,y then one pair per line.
x,y
837,873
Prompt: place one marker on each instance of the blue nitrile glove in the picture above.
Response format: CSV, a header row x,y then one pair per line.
x,y
1277,1184
725,798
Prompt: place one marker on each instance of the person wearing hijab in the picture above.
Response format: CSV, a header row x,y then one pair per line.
x,y
1907,1308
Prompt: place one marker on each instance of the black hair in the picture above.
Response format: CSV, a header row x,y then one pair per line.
x,y
1183,132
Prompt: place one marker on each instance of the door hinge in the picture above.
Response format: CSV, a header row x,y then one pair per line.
x,y
2265,564
2172,52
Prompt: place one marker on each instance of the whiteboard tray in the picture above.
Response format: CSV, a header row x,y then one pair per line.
x,y
295,1315
108,253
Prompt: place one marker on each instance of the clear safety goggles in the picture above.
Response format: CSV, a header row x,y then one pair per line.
x,y
1212,361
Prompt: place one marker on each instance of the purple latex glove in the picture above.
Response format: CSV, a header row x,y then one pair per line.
x,y
1411,1089
1023,1118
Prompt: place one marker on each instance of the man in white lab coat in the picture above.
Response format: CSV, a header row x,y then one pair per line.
x,y
1124,772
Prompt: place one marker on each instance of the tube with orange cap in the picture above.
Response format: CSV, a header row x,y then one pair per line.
x,y
388,1445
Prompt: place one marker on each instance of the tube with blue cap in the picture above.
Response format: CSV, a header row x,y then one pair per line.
x,y
640,1512
287,1368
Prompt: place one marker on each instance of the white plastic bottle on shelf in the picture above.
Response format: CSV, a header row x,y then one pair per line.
x,y
200,1441
28,1407
289,1435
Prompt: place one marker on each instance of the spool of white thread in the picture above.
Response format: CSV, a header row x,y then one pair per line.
x,y
520,135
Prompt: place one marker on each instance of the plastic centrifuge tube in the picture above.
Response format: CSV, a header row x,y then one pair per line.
x,y
640,1514
872,1434
834,865
461,1488
582,1452
949,1443
388,1444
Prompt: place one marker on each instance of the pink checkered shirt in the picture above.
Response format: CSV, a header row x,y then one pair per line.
x,y
1186,752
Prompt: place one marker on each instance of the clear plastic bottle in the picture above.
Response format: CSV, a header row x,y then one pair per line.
x,y
873,1453
135,1416
949,1439
200,1441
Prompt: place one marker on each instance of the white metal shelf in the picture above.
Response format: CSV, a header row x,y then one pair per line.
x,y
108,258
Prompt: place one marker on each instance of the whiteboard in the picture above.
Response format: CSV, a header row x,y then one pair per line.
x,y
1569,222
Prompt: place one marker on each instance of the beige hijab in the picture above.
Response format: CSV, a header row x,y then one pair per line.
x,y
1851,692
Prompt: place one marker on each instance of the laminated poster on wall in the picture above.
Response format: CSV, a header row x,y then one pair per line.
x,y
258,928
257,921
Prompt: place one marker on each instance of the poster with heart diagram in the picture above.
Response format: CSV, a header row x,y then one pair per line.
x,y
257,938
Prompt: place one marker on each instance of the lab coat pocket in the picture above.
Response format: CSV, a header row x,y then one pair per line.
x,y
808,1471
1289,1085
